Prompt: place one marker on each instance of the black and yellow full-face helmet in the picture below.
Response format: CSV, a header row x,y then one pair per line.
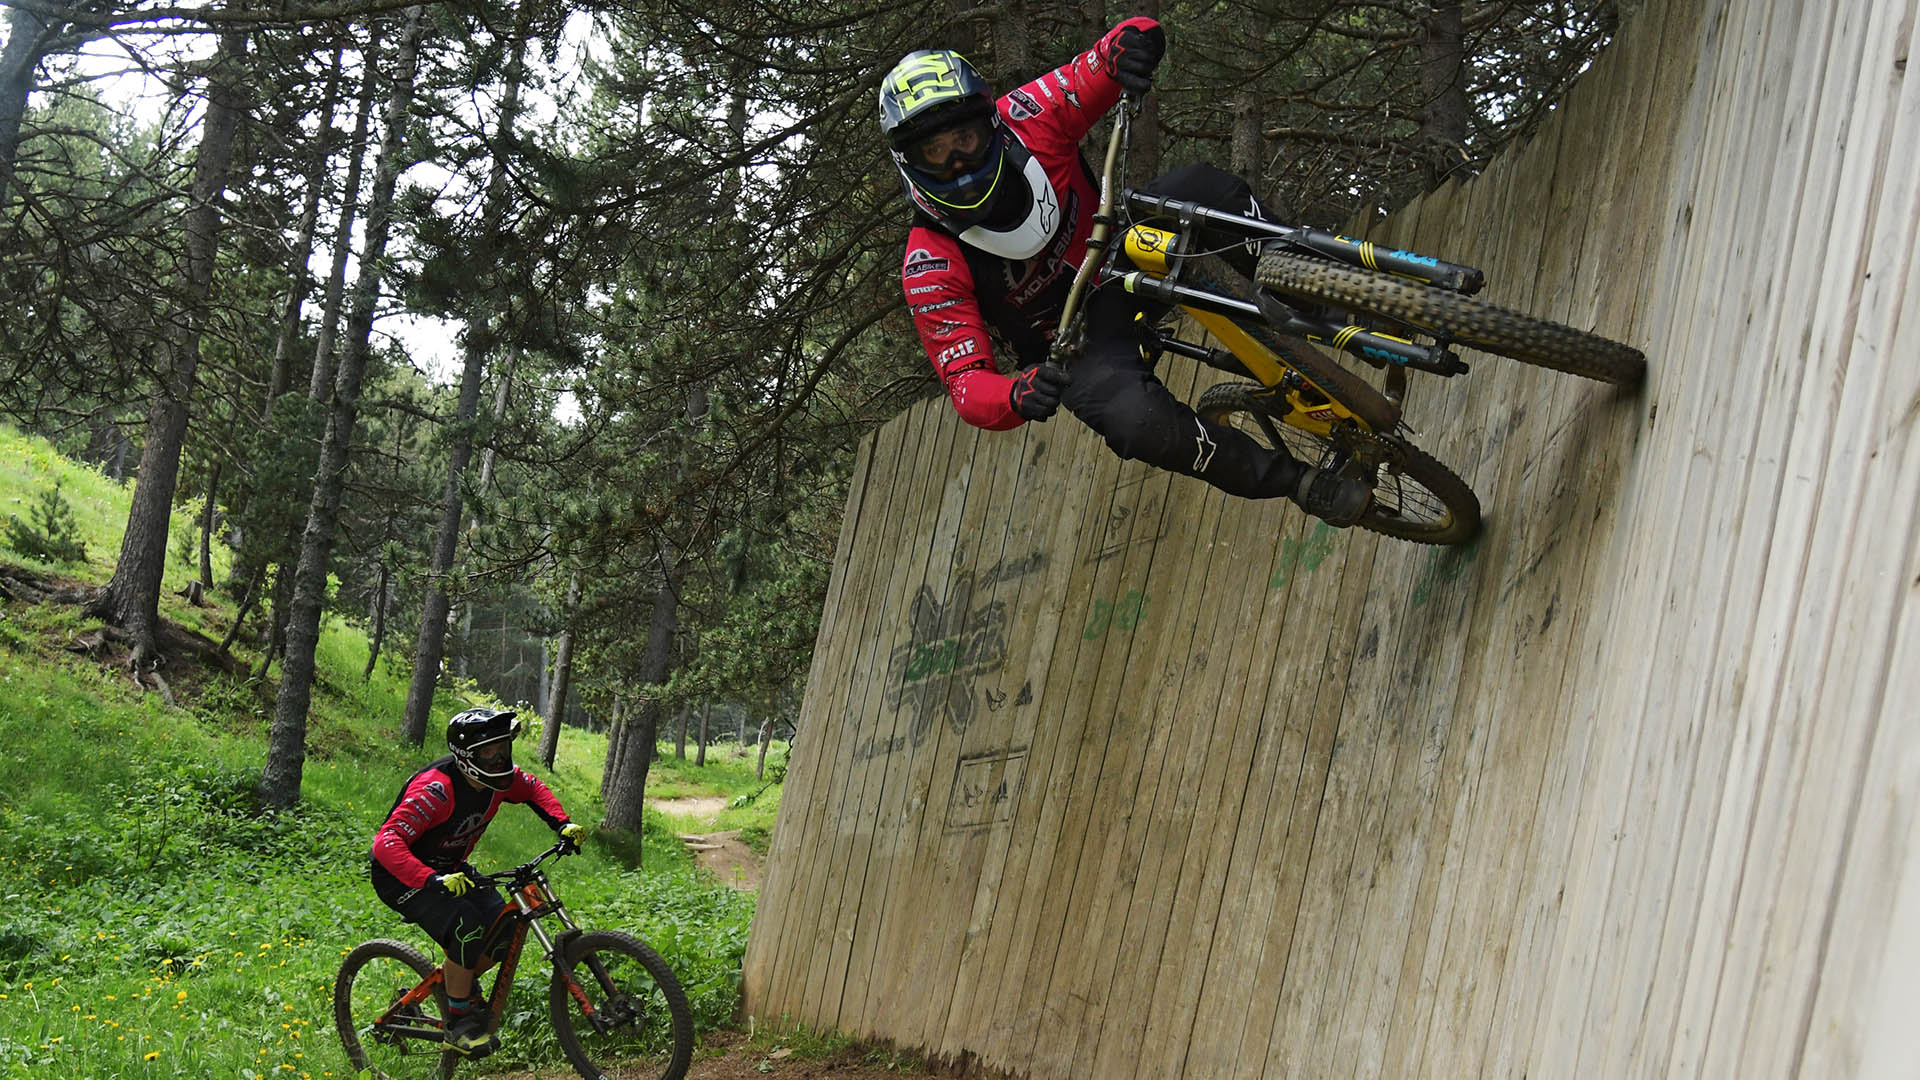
x,y
959,161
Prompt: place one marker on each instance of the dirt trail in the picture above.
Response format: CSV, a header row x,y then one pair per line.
x,y
721,852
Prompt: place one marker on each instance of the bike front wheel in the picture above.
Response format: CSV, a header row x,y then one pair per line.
x,y
618,1010
1468,320
383,1038
1415,497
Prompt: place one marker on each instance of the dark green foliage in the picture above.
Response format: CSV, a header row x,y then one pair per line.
x,y
50,534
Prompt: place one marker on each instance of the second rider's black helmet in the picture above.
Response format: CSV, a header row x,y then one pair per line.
x,y
482,744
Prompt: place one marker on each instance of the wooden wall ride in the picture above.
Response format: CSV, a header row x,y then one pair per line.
x,y
1103,774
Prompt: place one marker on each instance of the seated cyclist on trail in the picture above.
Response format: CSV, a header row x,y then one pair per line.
x,y
1003,205
420,853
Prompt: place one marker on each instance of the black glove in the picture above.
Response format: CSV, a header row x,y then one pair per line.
x,y
1136,53
1036,391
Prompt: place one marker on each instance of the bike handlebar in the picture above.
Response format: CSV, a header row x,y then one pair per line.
x,y
561,847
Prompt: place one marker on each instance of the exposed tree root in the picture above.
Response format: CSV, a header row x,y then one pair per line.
x,y
109,645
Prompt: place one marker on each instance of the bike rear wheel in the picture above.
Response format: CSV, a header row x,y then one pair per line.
x,y
634,1022
1468,320
1415,497
372,979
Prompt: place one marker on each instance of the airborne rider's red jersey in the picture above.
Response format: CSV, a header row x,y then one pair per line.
x,y
955,289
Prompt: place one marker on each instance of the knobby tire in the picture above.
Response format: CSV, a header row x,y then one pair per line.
x,y
1415,497
351,971
614,1055
1468,320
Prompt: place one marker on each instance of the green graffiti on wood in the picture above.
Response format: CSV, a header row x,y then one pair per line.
x,y
1304,555
1126,613
1444,567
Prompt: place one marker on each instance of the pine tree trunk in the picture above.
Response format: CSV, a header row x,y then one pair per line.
x,y
627,797
616,738
1443,79
680,735
247,598
700,746
332,307
299,279
206,527
464,613
28,34
286,741
430,647
380,600
131,600
562,677
274,634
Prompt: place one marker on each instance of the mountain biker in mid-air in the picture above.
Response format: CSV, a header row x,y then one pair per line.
x,y
420,866
1003,205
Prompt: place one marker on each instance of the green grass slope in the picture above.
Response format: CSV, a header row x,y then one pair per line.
x,y
153,924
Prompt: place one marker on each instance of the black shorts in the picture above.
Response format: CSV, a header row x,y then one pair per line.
x,y
463,925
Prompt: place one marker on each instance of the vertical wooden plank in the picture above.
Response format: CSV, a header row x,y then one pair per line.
x,y
925,917
1041,552
1313,851
1860,1024
832,734
1675,796
885,816
1159,745
808,770
1816,758
1047,819
1672,35
848,828
1615,725
1105,749
1193,1004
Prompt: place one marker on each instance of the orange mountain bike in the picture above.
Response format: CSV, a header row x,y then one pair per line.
x,y
616,1007
1320,294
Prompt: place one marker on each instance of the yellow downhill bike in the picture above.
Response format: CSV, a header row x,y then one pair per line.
x,y
1395,310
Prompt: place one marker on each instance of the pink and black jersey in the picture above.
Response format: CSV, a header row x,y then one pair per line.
x,y
956,290
438,819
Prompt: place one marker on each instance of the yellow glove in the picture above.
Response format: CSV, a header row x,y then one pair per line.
x,y
455,883
573,833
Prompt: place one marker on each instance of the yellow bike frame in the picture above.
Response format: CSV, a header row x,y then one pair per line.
x,y
1148,249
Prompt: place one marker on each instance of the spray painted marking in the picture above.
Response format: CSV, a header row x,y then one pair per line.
x,y
1304,555
1126,613
932,675
1444,567
984,789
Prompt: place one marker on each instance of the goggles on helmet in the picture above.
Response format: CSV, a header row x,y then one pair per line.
x,y
953,152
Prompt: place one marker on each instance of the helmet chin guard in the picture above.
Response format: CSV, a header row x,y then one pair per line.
x,y
1025,238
